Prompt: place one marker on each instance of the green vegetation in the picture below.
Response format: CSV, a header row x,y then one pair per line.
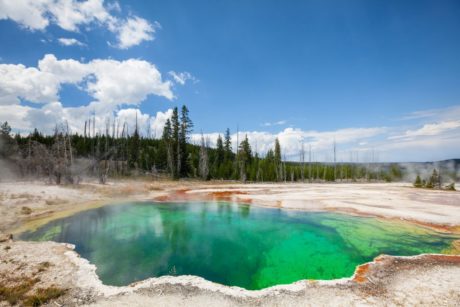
x,y
418,182
433,182
66,157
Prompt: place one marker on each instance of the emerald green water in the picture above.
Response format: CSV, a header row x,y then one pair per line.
x,y
231,244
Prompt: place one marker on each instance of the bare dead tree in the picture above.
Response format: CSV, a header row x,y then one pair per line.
x,y
309,163
204,160
302,161
236,164
284,167
61,155
335,162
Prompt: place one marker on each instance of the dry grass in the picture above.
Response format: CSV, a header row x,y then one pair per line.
x,y
26,210
153,187
17,293
43,266
52,202
43,296
21,195
22,292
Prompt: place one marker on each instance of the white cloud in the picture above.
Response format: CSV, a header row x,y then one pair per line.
x,y
182,77
20,82
114,6
133,31
129,81
113,84
15,115
28,13
70,42
110,82
67,14
452,112
278,123
431,129
71,15
65,71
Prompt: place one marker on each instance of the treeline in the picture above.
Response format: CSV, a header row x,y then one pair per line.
x,y
433,182
116,151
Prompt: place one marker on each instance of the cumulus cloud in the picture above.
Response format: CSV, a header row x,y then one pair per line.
x,y
20,82
127,81
29,14
112,84
108,81
182,77
71,15
134,30
67,14
70,42
15,115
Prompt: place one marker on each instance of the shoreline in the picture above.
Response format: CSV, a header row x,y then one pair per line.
x,y
89,196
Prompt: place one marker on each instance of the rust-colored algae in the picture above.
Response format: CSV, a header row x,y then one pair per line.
x,y
183,195
176,195
448,259
227,196
361,272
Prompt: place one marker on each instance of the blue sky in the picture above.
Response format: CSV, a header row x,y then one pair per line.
x,y
376,76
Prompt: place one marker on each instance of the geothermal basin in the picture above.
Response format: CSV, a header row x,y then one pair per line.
x,y
231,243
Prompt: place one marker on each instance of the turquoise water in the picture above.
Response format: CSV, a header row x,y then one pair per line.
x,y
232,244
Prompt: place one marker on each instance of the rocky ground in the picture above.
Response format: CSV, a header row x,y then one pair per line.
x,y
52,273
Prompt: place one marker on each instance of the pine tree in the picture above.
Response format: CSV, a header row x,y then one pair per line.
x,y
134,147
220,151
167,145
244,157
435,181
175,126
277,161
228,144
418,182
8,145
186,126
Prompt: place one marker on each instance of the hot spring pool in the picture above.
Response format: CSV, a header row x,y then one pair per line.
x,y
232,244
